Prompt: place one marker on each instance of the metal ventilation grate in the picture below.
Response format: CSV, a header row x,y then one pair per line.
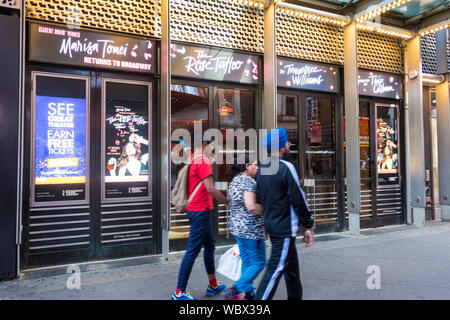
x,y
218,23
11,3
378,52
223,23
135,17
428,52
309,40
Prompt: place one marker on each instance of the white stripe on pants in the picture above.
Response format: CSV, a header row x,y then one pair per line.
x,y
279,269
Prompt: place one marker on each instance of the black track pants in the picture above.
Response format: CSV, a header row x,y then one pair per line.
x,y
283,261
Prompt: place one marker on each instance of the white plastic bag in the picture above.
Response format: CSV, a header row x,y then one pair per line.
x,y
230,263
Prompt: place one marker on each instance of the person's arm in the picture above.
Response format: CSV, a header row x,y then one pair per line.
x,y
251,204
298,200
212,190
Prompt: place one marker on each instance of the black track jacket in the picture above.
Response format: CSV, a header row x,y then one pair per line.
x,y
283,200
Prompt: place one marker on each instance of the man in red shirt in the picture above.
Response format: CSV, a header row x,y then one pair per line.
x,y
201,233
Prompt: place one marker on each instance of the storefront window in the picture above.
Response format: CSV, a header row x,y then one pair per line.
x,y
189,106
236,110
320,138
60,135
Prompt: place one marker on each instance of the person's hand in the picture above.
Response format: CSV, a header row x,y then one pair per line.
x,y
308,238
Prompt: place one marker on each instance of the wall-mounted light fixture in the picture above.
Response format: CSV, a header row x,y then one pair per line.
x,y
435,28
312,14
379,9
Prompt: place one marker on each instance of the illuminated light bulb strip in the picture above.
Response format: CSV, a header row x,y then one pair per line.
x,y
251,3
434,81
389,31
434,28
311,14
382,8
431,78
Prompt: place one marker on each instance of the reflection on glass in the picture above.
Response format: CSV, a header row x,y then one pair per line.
x,y
189,104
287,118
320,138
236,110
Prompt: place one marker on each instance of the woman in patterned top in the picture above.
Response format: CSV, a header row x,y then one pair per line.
x,y
246,225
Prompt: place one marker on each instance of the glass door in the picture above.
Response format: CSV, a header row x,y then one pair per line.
x,y
226,109
319,149
235,109
190,107
126,210
381,189
367,169
288,118
310,121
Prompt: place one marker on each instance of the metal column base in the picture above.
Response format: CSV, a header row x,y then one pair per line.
x,y
419,216
354,223
445,212
165,244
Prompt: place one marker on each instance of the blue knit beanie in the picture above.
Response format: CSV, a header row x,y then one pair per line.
x,y
272,137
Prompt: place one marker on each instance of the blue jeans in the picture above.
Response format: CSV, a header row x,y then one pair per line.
x,y
253,255
200,235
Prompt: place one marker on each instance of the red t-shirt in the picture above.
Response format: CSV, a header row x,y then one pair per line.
x,y
199,169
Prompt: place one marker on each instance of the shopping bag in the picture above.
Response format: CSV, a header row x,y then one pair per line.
x,y
230,263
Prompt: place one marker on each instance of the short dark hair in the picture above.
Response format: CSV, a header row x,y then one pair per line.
x,y
240,167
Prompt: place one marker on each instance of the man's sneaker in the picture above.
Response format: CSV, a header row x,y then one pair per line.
x,y
212,291
250,296
183,296
232,294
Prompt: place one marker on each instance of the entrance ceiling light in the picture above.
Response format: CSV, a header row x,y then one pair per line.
x,y
432,78
312,14
379,9
435,28
385,30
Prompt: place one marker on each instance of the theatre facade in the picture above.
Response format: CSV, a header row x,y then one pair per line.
x,y
102,89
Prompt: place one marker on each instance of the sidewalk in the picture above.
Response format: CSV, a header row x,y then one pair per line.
x,y
414,264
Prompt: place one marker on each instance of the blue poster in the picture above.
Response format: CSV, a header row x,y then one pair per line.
x,y
60,154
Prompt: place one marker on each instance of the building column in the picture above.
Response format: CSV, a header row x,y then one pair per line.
x,y
443,137
352,147
11,122
164,196
270,69
415,155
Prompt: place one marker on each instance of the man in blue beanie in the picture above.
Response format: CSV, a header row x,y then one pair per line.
x,y
285,208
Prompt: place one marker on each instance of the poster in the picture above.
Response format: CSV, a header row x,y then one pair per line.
x,y
60,149
126,149
387,145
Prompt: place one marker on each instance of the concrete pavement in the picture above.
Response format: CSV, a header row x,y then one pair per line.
x,y
413,262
